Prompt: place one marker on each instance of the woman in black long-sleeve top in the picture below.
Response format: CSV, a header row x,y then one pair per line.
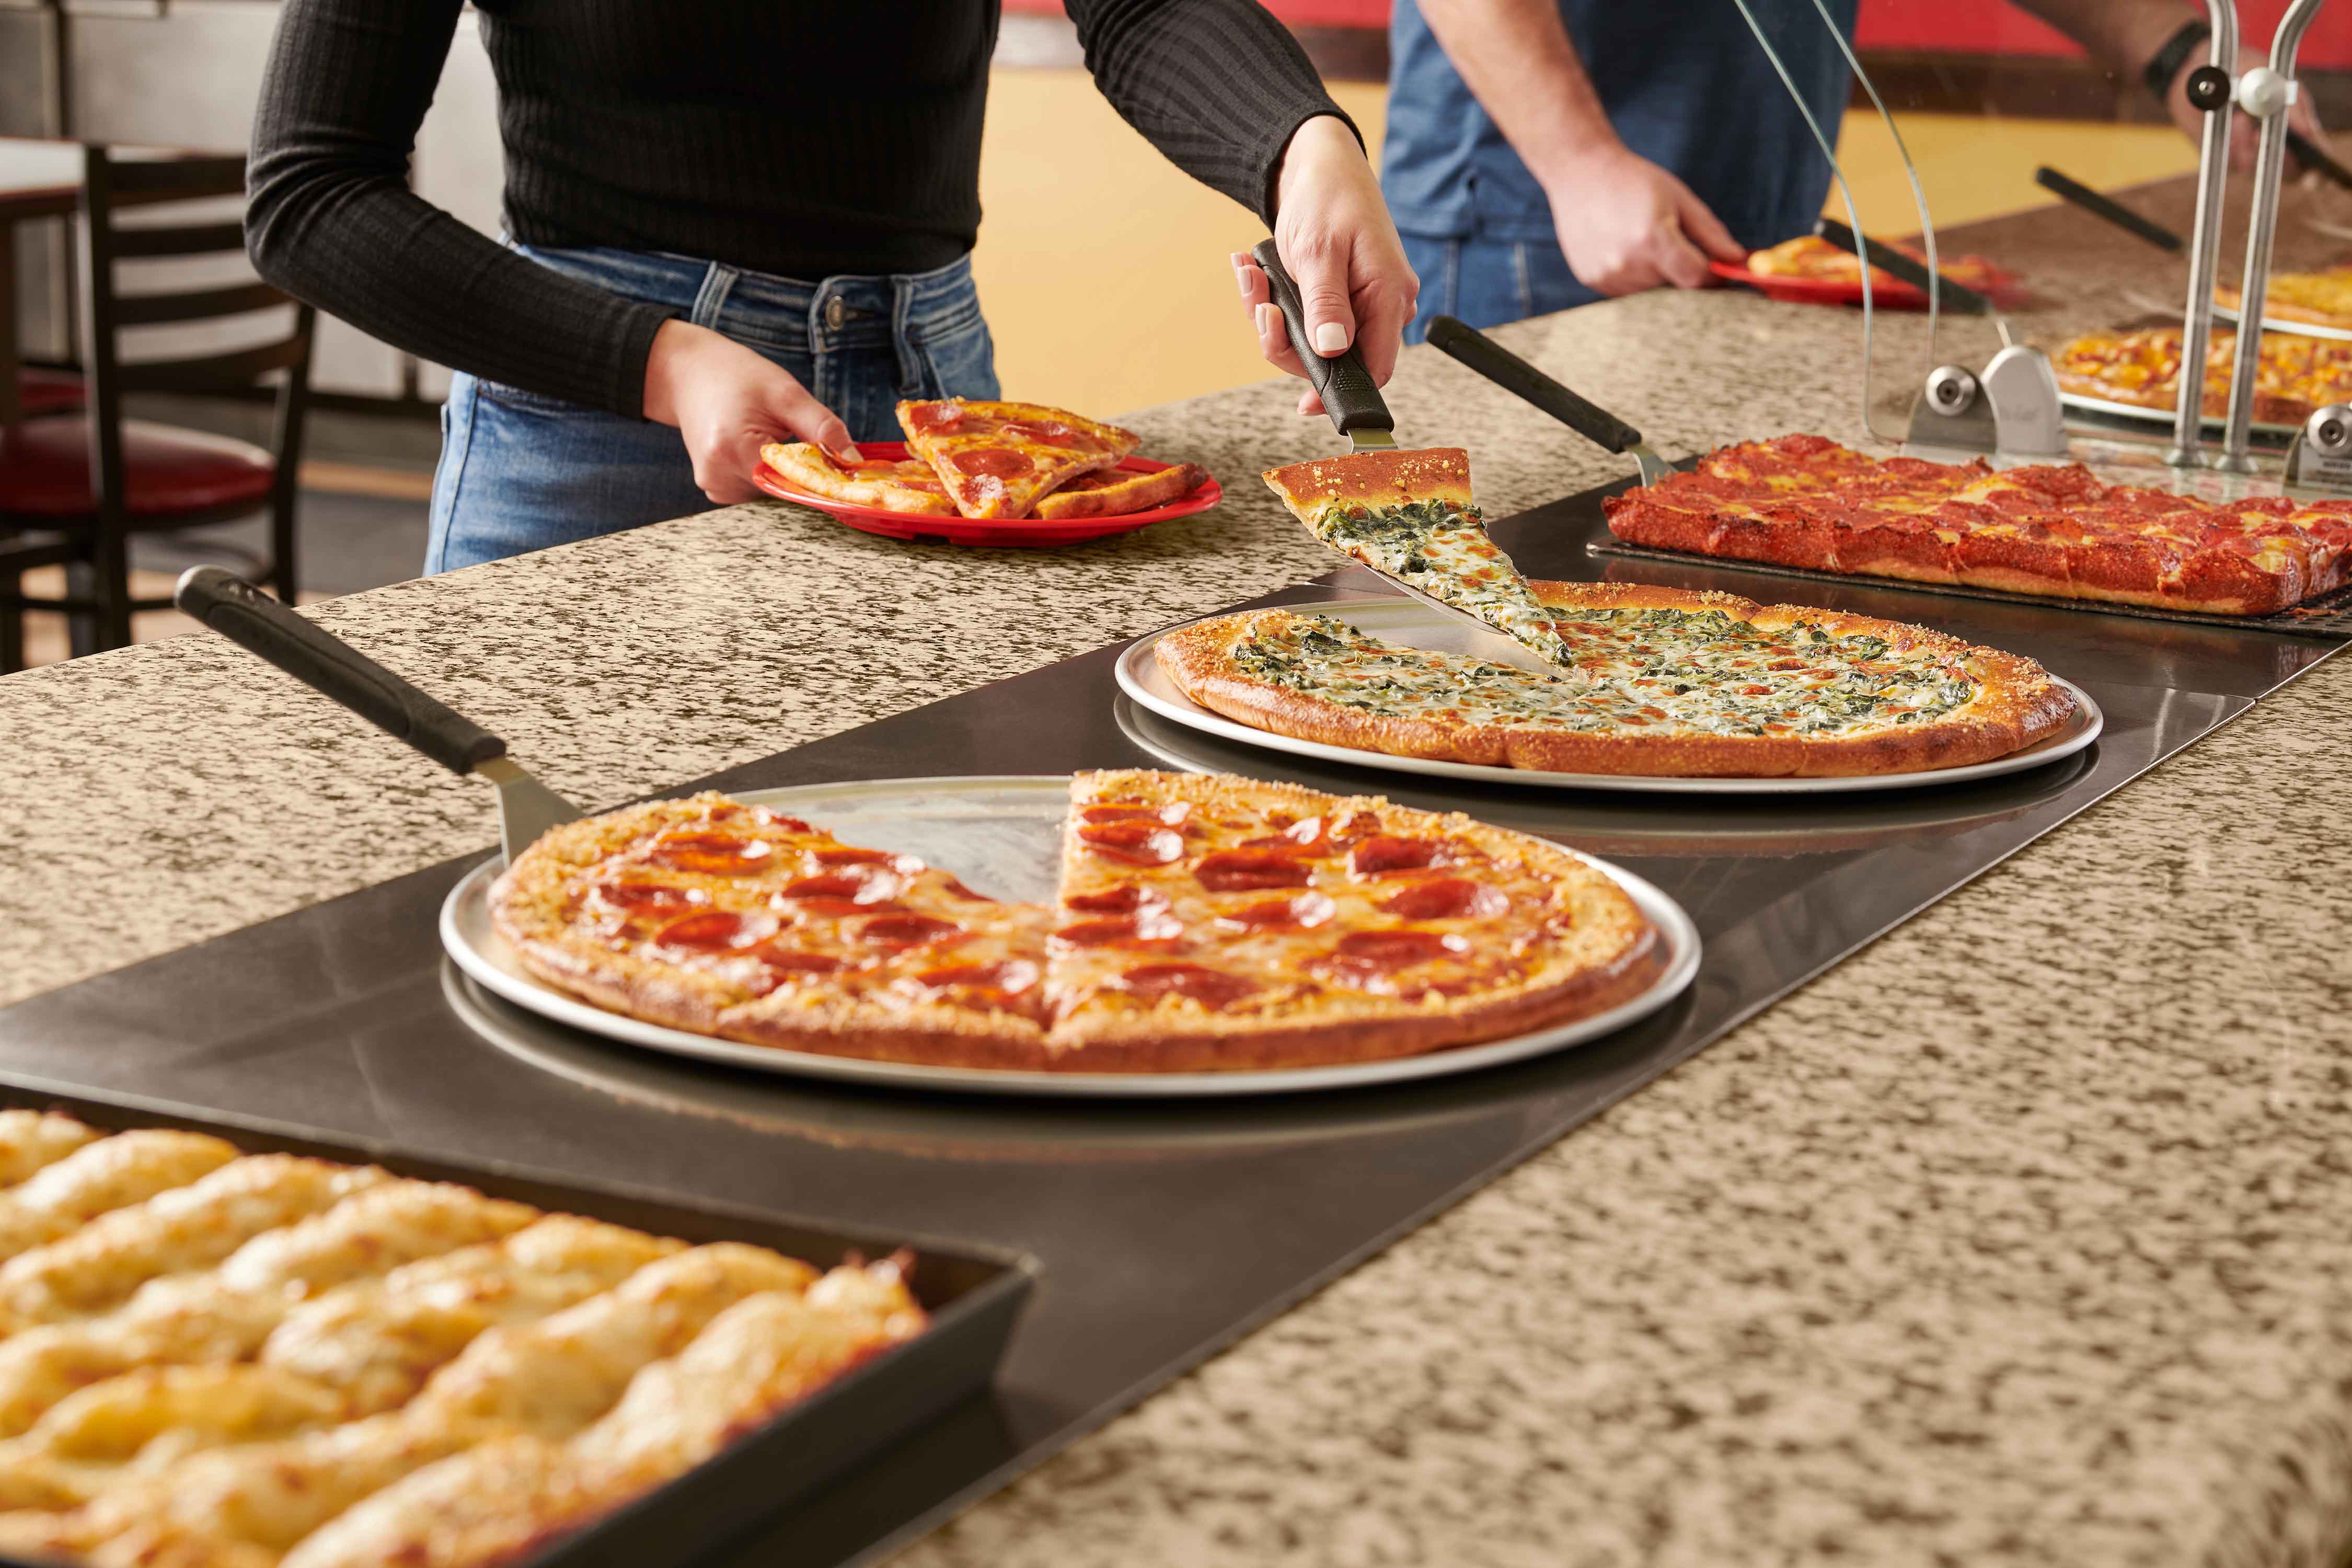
x,y
747,219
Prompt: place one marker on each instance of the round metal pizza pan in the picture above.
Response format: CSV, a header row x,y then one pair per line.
x,y
1403,620
2300,329
1003,835
2160,417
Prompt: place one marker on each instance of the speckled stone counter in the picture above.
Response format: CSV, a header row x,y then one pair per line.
x,y
2020,1238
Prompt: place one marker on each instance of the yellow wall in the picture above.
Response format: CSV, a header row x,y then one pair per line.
x,y
1103,268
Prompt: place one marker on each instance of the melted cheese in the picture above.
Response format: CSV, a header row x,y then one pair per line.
x,y
1442,550
1655,672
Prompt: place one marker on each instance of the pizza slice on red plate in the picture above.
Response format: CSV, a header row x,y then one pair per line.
x,y
901,484
999,460
1115,492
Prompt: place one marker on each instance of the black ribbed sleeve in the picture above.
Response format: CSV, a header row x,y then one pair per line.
x,y
793,136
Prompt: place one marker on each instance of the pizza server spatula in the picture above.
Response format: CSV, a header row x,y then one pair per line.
x,y
247,616
1512,373
1359,412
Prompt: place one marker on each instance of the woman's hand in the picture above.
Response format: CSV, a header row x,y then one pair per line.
x,y
728,401
1332,231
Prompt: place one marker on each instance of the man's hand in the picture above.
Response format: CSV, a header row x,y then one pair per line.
x,y
1332,231
1627,225
2245,131
728,401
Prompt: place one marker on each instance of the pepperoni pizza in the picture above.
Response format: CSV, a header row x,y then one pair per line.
x,y
1816,259
1803,501
999,460
2323,298
2292,375
1203,923
899,484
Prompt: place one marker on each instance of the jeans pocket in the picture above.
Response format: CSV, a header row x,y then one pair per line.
x,y
961,362
516,398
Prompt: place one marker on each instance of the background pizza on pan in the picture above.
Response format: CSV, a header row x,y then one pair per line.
x,y
2293,374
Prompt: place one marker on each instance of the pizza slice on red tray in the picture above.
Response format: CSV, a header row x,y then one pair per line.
x,y
725,919
999,460
901,484
1214,921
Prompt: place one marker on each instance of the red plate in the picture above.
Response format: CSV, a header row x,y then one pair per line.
x,y
1893,294
988,531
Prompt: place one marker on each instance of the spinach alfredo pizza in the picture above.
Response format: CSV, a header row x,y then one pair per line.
x,y
1654,681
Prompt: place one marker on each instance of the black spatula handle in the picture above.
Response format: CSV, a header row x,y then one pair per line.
x,y
1343,383
1957,298
253,620
1512,373
2098,205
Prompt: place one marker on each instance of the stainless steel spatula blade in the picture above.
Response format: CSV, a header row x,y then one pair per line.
x,y
324,662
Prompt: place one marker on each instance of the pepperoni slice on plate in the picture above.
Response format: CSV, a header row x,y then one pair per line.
x,y
842,855
1010,975
1173,815
1447,899
1305,837
907,930
859,884
647,901
1374,954
1140,843
1303,912
1242,870
991,462
716,930
714,853
1211,988
784,966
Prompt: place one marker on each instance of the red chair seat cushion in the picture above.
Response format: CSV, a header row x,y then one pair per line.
x,y
49,392
45,470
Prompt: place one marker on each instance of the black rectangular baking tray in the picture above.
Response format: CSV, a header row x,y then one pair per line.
x,y
974,1295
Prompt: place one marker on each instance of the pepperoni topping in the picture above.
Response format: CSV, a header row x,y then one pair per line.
x,y
1173,814
907,930
778,819
1149,924
715,854
991,462
645,901
1370,954
924,418
1211,988
1048,432
1305,837
1243,870
833,908
786,966
1447,899
1117,900
859,884
1304,912
844,856
1383,854
953,886
1141,843
716,930
1008,975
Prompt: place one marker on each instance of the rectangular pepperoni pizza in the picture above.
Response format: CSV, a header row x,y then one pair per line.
x,y
2051,530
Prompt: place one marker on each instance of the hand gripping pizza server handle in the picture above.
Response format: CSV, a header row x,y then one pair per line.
x,y
1514,374
254,621
1359,412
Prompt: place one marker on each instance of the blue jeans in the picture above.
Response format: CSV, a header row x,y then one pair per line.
x,y
1487,282
523,471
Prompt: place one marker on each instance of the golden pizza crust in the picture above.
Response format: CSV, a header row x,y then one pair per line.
x,y
997,459
1116,492
2017,705
907,485
1374,479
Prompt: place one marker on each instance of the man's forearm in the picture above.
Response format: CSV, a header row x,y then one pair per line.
x,y
2121,34
1516,56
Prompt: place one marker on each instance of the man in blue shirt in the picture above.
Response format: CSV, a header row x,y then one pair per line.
x,y
1544,154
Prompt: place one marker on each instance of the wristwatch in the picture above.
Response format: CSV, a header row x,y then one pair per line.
x,y
2167,60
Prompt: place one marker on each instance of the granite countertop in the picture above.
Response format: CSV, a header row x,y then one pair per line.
x,y
2019,1237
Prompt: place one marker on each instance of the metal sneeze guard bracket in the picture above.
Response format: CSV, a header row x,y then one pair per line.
x,y
2266,93
2205,240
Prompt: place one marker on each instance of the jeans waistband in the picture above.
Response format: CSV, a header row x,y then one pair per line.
x,y
842,310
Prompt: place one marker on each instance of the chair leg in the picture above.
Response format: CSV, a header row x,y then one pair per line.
x,y
281,547
110,556
12,624
81,626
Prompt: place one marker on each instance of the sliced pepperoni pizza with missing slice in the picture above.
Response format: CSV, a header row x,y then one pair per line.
x,y
1204,923
1209,922
899,484
724,918
999,460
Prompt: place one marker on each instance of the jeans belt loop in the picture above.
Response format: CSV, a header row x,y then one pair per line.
x,y
910,366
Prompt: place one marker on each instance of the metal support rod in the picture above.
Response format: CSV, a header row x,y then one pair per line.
x,y
2205,246
2270,102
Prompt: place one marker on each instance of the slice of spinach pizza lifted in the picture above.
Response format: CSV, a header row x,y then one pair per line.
x,y
1409,516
